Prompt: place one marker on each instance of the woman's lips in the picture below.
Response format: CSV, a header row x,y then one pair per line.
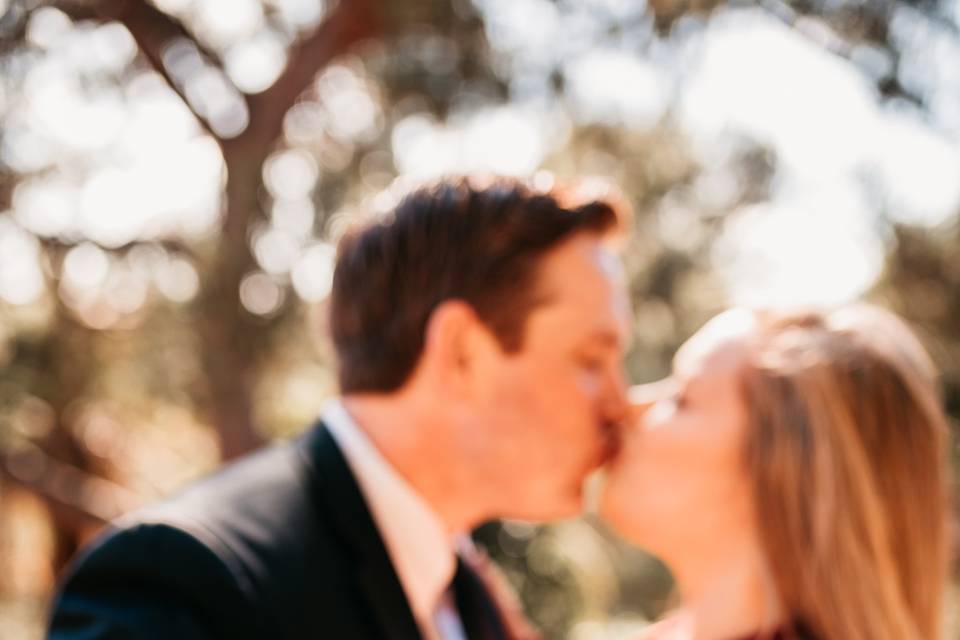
x,y
612,434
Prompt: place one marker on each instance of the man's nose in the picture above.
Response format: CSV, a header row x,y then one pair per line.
x,y
616,403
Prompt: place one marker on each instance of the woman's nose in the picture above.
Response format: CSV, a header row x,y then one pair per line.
x,y
642,396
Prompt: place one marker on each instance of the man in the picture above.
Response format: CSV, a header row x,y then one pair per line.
x,y
478,331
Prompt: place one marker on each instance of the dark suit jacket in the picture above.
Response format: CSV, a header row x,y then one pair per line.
x,y
278,545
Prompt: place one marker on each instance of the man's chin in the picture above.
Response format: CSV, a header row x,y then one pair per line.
x,y
562,507
578,498
611,450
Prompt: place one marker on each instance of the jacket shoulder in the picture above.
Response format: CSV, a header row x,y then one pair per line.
x,y
150,580
262,526
258,514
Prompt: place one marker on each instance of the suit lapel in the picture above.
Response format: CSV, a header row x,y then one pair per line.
x,y
478,612
339,497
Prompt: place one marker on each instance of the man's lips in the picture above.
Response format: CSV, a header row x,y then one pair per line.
x,y
612,435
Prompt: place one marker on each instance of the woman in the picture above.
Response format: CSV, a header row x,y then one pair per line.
x,y
791,473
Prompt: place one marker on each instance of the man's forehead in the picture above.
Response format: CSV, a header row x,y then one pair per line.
x,y
583,283
582,266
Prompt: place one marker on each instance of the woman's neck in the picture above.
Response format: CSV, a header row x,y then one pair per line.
x,y
727,590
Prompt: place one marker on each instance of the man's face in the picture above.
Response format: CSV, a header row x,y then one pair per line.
x,y
550,410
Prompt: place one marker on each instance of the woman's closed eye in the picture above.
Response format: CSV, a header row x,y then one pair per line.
x,y
678,397
674,396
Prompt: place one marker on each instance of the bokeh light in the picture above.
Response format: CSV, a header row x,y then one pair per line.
x,y
773,153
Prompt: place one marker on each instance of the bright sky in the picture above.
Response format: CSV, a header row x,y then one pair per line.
x,y
817,240
115,166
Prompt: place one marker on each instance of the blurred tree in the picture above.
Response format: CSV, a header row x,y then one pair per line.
x,y
246,128
146,322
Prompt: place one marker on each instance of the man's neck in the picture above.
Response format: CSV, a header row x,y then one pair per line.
x,y
421,449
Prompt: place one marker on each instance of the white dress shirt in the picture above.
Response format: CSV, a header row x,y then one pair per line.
x,y
416,539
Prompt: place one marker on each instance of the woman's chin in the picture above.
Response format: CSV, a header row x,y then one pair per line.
x,y
620,514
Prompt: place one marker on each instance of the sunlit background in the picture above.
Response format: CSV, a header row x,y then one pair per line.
x,y
175,174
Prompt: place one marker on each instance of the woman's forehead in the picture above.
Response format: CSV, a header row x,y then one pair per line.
x,y
720,345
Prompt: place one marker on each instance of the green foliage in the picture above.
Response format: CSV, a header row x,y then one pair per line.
x,y
203,326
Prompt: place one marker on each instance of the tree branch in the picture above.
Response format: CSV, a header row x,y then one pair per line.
x,y
936,18
173,246
153,30
82,496
350,22
827,38
229,354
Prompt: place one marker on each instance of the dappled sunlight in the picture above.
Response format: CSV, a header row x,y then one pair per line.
x,y
21,280
260,294
255,63
275,250
293,216
226,22
918,171
169,216
117,165
813,109
502,140
807,247
929,52
177,279
831,138
617,88
312,274
351,104
290,174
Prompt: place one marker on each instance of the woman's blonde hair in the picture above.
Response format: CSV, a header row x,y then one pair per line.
x,y
846,450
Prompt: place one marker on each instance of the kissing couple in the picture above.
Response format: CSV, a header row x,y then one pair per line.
x,y
791,471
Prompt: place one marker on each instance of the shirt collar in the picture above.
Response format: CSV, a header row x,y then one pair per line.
x,y
416,539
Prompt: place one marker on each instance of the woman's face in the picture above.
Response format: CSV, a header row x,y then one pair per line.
x,y
679,478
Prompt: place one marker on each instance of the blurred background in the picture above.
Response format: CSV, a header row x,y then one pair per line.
x,y
175,174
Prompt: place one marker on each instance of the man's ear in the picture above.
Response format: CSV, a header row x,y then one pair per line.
x,y
455,343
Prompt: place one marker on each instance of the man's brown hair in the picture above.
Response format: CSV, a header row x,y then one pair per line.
x,y
450,240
